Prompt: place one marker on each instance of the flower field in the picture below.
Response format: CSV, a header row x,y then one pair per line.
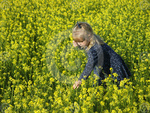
x,y
38,63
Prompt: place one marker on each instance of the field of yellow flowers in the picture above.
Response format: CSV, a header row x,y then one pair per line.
x,y
38,63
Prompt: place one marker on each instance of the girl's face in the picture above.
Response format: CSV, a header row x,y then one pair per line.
x,y
83,43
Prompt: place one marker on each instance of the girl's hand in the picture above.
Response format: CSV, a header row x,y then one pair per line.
x,y
76,84
75,44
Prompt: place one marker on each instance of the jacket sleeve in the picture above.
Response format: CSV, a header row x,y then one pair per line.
x,y
92,60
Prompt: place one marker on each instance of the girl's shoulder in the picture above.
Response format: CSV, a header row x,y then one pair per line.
x,y
96,47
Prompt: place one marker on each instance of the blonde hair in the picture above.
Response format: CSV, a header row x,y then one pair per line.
x,y
81,34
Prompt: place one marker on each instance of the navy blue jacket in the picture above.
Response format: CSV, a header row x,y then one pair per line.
x,y
100,59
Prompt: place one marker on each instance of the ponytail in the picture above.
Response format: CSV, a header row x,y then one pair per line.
x,y
98,39
95,39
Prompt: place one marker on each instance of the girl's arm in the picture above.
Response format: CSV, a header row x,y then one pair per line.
x,y
92,60
87,70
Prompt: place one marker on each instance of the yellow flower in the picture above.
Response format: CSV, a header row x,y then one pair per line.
x,y
102,103
111,69
84,110
115,74
113,111
122,83
106,111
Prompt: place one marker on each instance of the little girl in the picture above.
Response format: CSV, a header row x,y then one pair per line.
x,y
101,57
